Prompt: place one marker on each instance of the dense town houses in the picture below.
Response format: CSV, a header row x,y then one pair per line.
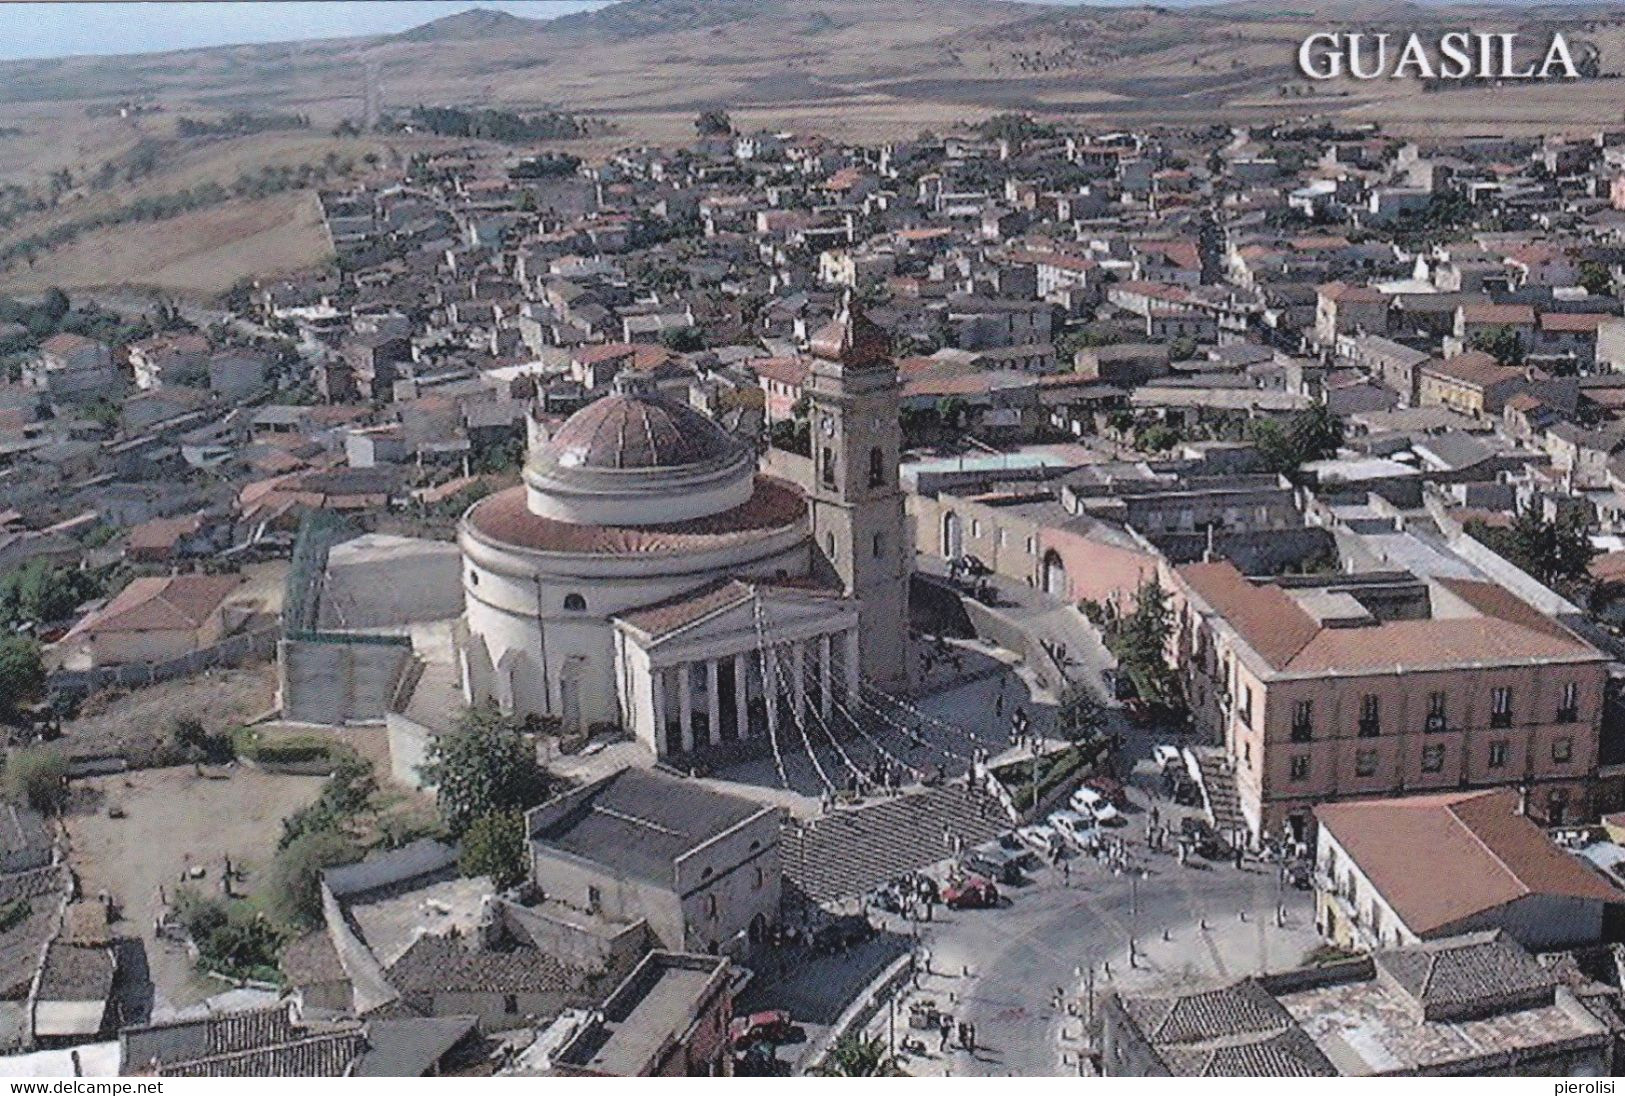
x,y
815,515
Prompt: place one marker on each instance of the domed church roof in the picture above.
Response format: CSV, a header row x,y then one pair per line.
x,y
637,427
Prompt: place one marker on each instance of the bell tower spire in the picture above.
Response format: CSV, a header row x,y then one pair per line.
x,y
857,503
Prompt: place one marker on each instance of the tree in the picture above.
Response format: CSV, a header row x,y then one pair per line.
x,y
1139,640
1553,552
483,767
40,591
1080,714
37,777
856,1056
682,340
54,304
1309,435
1182,349
295,883
1595,279
1158,438
1502,344
22,673
496,845
713,123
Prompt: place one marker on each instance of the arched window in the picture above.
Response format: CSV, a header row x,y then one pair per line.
x,y
877,468
829,467
574,603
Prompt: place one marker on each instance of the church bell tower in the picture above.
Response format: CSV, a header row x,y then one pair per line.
x,y
857,503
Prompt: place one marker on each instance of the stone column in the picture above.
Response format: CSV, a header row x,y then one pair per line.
x,y
824,699
741,696
851,668
798,688
685,704
770,691
657,695
713,702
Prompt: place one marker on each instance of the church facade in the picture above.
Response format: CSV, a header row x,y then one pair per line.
x,y
646,574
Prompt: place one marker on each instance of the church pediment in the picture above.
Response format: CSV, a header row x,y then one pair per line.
x,y
728,616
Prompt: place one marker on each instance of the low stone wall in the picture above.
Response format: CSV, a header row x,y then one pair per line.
x,y
861,1011
239,650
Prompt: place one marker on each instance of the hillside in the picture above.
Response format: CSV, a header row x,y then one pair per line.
x,y
849,69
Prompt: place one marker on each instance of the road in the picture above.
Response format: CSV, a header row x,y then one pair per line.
x,y
1000,969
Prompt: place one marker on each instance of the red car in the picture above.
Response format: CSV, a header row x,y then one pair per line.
x,y
971,893
772,1026
1111,789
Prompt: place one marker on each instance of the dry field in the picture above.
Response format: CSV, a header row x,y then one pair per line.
x,y
136,722
856,70
197,253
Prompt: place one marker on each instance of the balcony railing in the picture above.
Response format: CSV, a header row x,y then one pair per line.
x,y
1568,715
1435,723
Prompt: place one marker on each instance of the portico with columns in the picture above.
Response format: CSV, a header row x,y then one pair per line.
x,y
734,663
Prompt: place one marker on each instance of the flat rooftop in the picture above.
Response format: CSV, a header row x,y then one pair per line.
x,y
1366,1029
390,923
657,1002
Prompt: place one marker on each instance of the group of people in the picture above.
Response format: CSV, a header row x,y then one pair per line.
x,y
947,1028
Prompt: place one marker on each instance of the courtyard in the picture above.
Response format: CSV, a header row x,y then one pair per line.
x,y
169,822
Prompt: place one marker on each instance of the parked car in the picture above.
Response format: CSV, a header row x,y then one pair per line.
x,y
842,932
971,893
771,1026
1300,873
1113,790
994,863
1076,828
1042,839
1167,756
1089,802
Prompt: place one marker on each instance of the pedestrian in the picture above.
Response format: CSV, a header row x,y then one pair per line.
x,y
998,706
964,1034
970,1038
1066,872
945,1025
1155,815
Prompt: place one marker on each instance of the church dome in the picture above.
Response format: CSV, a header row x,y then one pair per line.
x,y
636,457
636,427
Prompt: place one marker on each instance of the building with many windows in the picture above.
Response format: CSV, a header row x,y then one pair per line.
x,y
1327,687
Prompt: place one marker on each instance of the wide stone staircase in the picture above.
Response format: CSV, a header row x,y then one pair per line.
x,y
845,853
1219,791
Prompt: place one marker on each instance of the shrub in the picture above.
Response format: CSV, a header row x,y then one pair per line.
x,y
294,890
37,777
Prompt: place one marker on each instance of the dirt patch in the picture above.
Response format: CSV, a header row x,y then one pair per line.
x,y
174,820
204,251
138,724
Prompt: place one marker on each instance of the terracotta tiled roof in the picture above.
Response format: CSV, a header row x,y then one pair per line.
x,y
1489,853
1265,616
1511,315
1495,627
181,602
505,519
1474,367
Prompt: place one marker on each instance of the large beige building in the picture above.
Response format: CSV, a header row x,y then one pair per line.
x,y
646,574
1353,686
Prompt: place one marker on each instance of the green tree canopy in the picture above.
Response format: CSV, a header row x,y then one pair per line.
x,y
1079,714
497,845
713,123
857,1056
1554,552
37,777
484,767
22,673
294,888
